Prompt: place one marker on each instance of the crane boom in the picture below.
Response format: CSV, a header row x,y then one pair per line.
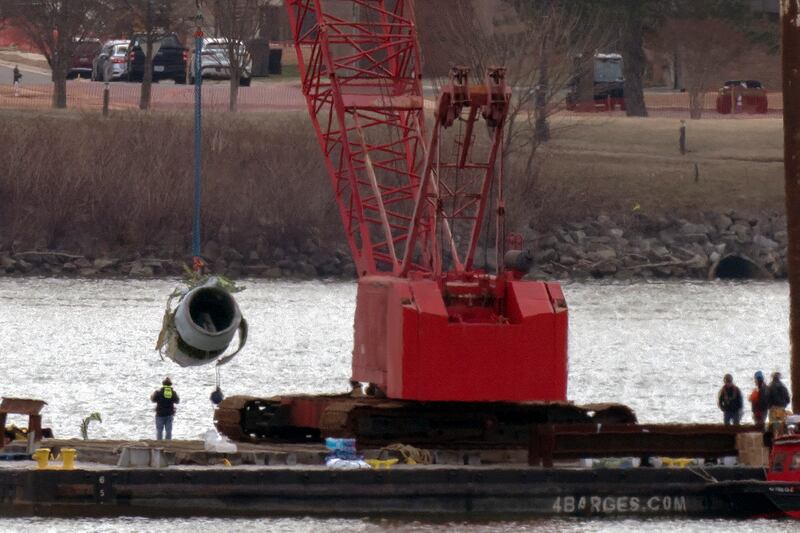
x,y
428,325
360,67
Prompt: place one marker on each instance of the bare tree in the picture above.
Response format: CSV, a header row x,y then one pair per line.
x,y
152,18
238,21
541,43
705,48
57,28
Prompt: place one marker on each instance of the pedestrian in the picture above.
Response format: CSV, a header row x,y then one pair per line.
x,y
777,401
758,400
165,399
777,393
17,80
730,401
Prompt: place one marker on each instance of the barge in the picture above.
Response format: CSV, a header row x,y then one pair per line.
x,y
444,491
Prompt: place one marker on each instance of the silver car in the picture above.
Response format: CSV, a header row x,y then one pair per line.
x,y
215,63
112,61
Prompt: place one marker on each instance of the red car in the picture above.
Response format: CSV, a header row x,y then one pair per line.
x,y
83,57
742,96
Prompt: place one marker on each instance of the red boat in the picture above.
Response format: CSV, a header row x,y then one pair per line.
x,y
783,477
776,496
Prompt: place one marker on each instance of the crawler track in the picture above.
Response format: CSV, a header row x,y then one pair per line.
x,y
379,421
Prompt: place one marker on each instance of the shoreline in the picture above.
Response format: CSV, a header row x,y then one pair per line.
x,y
723,245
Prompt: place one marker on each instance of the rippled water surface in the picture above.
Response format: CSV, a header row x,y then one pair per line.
x,y
87,346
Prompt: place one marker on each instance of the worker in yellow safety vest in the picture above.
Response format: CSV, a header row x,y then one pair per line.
x,y
165,399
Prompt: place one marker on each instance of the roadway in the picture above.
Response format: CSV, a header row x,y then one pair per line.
x,y
30,75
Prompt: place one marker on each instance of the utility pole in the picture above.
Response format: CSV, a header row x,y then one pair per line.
x,y
198,137
790,46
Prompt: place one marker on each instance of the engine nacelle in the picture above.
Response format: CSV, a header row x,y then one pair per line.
x,y
206,321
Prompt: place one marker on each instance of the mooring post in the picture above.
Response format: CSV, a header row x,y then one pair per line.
x,y
682,138
790,45
106,98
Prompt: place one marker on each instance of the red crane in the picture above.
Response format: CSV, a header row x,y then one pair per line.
x,y
411,205
446,343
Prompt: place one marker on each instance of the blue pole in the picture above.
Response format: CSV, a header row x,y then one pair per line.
x,y
198,142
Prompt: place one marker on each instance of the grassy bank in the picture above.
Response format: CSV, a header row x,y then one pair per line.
x,y
77,182
614,166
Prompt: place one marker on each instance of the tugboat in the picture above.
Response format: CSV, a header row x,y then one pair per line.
x,y
783,477
777,495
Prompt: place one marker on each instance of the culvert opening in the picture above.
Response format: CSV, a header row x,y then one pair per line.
x,y
737,267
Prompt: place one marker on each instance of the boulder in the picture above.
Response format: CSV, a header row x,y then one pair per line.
x,y
742,231
138,270
604,221
722,222
82,262
232,254
102,263
24,266
212,250
273,273
765,242
7,264
545,256
602,255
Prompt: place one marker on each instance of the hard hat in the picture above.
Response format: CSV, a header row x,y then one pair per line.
x,y
759,375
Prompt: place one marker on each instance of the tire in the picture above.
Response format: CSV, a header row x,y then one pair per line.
x,y
181,80
244,82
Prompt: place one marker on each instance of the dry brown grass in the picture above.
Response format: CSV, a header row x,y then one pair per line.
x,y
75,181
612,166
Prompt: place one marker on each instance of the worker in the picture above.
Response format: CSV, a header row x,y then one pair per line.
x,y
777,400
758,400
17,78
730,401
777,393
165,399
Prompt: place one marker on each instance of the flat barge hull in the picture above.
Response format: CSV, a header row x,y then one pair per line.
x,y
405,491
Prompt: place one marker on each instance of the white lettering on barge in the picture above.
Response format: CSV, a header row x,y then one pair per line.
x,y
587,505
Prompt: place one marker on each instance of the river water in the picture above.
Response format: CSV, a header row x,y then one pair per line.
x,y
86,346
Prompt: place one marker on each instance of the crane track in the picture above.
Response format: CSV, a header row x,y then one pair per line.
x,y
381,421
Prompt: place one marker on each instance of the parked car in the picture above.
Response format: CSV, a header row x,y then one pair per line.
x,y
215,61
112,61
82,58
597,84
742,96
169,59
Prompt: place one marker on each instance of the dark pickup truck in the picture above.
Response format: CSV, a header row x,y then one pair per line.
x,y
169,61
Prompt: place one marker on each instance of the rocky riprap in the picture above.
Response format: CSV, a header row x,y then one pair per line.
x,y
636,246
724,244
